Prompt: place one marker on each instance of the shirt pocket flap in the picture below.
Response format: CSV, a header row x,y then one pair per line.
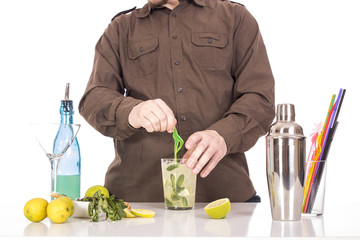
x,y
208,39
138,49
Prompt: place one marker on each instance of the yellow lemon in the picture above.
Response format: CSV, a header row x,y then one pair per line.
x,y
128,213
91,191
218,209
143,213
59,210
35,209
72,208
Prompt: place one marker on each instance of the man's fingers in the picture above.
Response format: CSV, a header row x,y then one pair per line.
x,y
195,155
170,117
204,159
159,119
205,150
193,140
211,165
153,115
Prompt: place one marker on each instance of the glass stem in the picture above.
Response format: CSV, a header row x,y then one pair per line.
x,y
54,168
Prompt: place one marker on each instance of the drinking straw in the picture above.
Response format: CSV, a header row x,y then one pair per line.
x,y
325,150
309,176
327,146
318,158
332,121
316,178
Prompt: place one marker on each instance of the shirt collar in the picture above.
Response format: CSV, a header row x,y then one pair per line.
x,y
146,10
201,3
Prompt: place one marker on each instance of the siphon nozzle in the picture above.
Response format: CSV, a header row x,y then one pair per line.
x,y
67,91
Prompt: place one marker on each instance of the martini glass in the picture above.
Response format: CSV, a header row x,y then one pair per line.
x,y
48,137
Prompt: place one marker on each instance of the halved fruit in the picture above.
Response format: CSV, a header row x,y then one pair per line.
x,y
218,209
143,213
128,213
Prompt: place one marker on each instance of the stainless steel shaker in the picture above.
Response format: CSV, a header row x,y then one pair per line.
x,y
285,165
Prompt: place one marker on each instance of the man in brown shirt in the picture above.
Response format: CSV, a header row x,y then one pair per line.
x,y
198,64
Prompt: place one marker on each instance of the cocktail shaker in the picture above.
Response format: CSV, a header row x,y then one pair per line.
x,y
285,165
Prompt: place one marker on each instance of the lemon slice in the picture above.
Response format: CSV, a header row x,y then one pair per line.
x,y
128,213
218,209
143,213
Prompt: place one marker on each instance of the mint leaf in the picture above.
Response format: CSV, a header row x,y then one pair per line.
x,y
184,201
168,203
179,190
172,167
180,181
113,208
172,178
175,197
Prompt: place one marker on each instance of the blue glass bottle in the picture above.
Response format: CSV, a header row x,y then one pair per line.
x,y
68,173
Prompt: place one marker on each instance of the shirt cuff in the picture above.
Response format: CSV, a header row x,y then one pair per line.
x,y
122,116
230,137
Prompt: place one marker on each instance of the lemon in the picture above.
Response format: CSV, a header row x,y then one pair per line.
x,y
35,209
143,213
218,209
91,191
68,200
128,213
59,210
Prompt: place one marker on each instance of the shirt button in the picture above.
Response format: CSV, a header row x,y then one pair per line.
x,y
209,40
183,118
177,63
174,37
180,90
174,14
141,49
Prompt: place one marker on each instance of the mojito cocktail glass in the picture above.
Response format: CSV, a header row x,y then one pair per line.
x,y
179,184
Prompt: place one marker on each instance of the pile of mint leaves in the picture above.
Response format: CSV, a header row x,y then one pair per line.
x,y
111,206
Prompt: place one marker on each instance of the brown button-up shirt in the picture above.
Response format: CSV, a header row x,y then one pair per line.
x,y
207,61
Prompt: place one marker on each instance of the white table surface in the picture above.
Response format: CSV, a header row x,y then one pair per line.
x,y
251,220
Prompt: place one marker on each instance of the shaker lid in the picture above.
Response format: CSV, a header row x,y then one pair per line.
x,y
285,126
285,112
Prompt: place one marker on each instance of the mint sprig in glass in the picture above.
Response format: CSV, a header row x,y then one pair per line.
x,y
178,180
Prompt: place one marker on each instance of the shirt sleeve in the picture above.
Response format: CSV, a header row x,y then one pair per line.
x,y
103,104
252,112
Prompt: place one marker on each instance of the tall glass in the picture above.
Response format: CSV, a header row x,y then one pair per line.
x,y
179,184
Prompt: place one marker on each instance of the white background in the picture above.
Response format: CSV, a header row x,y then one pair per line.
x,y
313,47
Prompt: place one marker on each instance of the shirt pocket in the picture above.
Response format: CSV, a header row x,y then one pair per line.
x,y
209,49
143,57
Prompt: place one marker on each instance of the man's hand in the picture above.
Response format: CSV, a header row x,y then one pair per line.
x,y
204,147
153,115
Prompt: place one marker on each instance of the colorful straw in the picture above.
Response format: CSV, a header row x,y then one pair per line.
x,y
320,152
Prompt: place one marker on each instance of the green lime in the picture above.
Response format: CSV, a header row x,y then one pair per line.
x,y
91,191
218,209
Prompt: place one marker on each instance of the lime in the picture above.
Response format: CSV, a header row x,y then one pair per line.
x,y
59,210
91,191
218,209
35,209
143,213
128,213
